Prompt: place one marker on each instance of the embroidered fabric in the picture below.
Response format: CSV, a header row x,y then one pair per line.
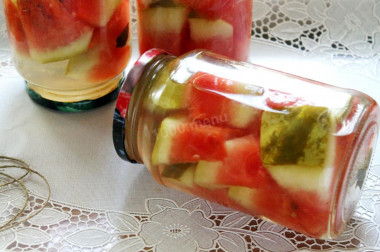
x,y
344,32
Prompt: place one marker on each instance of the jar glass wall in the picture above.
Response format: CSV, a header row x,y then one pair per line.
x,y
179,26
277,146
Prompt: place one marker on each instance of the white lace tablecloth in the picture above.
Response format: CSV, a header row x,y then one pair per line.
x,y
101,203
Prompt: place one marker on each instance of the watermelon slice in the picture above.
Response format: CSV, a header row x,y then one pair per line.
x,y
209,8
15,30
240,17
300,155
300,212
166,94
209,97
95,12
53,34
162,27
212,35
240,167
183,141
108,53
179,174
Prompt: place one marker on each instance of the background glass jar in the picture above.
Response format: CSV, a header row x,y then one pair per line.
x,y
179,26
277,146
72,53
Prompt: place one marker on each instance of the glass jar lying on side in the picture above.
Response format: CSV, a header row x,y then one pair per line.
x,y
274,145
179,26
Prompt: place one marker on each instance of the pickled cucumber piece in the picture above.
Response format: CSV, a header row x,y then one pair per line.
x,y
296,136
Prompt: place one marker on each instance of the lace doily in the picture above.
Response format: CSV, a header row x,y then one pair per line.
x,y
193,226
344,32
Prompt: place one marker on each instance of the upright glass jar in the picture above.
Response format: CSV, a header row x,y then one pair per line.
x,y
71,53
179,26
274,145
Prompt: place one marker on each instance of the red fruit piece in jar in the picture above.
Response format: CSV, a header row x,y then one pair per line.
x,y
163,27
208,8
108,52
95,12
213,35
52,33
181,141
211,98
279,100
241,166
16,32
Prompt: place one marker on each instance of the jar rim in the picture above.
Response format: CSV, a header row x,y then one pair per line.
x,y
124,97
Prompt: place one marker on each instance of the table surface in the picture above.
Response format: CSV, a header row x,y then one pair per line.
x,y
101,203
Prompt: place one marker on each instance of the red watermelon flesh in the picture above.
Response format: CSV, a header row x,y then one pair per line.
x,y
94,12
163,27
240,17
108,52
213,35
208,8
242,165
312,213
182,141
16,32
278,100
236,13
52,32
193,143
204,96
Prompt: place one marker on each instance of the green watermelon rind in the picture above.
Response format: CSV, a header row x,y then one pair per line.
x,y
164,19
109,10
206,174
244,196
79,65
163,145
74,48
203,29
185,180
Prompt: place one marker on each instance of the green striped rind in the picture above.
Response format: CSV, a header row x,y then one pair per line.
x,y
296,136
76,47
163,145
